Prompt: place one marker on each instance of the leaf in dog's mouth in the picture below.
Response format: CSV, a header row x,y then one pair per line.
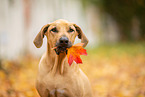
x,y
74,52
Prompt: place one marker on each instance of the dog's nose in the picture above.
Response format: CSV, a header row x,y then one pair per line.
x,y
63,40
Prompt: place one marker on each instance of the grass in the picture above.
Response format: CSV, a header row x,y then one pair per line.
x,y
116,70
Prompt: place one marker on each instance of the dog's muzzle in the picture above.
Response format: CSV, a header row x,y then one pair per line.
x,y
62,45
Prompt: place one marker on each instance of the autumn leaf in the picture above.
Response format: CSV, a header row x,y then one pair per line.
x,y
74,53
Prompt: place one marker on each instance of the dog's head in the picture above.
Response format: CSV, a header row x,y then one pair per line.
x,y
60,34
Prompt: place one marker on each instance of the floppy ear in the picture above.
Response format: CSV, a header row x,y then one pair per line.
x,y
81,35
38,41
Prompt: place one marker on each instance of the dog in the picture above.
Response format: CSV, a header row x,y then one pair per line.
x,y
55,77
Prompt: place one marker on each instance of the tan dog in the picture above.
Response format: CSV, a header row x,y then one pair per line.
x,y
55,77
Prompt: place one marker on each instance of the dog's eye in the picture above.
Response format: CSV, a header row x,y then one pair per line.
x,y
70,30
54,30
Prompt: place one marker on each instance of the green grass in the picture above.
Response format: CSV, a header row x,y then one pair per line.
x,y
119,48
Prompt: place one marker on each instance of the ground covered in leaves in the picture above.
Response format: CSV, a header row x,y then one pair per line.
x,y
114,71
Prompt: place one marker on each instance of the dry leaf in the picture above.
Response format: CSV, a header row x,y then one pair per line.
x,y
74,53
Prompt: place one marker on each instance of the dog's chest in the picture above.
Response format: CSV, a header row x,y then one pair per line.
x,y
70,84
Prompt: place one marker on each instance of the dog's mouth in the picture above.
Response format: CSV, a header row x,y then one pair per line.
x,y
62,48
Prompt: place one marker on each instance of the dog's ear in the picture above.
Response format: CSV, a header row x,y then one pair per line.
x,y
81,35
38,41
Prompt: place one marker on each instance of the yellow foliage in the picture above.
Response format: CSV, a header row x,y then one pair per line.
x,y
117,72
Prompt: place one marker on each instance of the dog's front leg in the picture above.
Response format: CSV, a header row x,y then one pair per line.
x,y
43,92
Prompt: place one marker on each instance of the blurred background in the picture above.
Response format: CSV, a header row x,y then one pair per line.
x,y
115,64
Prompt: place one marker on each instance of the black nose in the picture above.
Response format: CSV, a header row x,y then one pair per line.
x,y
63,40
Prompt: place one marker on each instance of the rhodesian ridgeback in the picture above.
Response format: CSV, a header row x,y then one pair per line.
x,y
55,77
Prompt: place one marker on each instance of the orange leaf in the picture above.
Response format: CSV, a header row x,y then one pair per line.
x,y
74,53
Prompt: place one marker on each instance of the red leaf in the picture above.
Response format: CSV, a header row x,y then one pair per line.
x,y
77,59
74,53
70,59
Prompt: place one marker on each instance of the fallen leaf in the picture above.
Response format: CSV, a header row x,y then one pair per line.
x,y
74,53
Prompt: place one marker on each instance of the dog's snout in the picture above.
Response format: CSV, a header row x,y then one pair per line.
x,y
64,40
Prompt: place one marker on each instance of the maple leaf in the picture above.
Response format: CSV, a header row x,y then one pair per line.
x,y
74,52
